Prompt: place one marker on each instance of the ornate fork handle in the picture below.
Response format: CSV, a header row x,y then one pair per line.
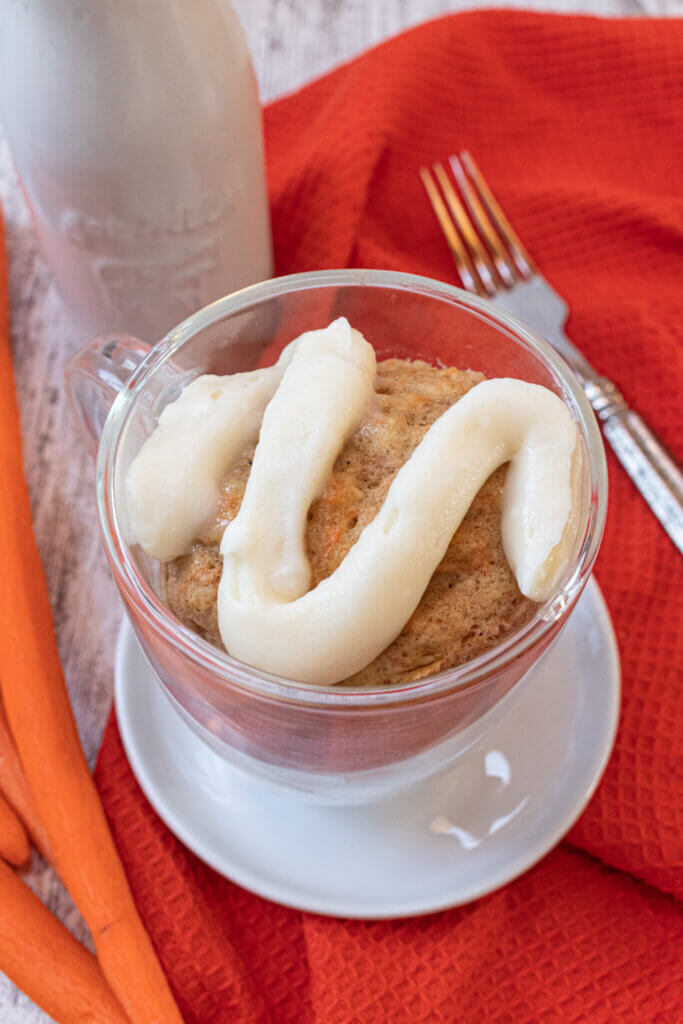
x,y
642,455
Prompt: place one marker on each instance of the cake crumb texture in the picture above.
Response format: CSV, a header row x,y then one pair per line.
x,y
472,601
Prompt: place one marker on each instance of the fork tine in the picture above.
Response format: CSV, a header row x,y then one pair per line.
x,y
468,275
479,255
523,261
501,258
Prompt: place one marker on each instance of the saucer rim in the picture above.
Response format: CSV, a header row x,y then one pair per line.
x,y
295,898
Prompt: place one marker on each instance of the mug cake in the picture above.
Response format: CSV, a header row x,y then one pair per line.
x,y
332,519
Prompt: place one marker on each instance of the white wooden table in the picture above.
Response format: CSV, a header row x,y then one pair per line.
x,y
292,41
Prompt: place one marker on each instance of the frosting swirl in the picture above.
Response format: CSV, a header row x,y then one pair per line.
x,y
306,407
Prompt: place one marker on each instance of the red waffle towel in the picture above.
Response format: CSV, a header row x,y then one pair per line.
x,y
577,124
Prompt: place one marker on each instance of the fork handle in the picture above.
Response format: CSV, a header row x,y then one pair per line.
x,y
642,455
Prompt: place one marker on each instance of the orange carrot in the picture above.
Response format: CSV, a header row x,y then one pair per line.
x,y
14,787
14,844
44,960
42,725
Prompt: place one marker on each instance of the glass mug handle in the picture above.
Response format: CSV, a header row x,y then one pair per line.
x,y
95,375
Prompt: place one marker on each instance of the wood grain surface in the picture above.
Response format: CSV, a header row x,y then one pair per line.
x,y
292,41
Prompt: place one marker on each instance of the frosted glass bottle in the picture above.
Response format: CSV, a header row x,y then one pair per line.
x,y
136,132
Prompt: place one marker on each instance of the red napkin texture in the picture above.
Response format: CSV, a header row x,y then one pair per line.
x,y
577,123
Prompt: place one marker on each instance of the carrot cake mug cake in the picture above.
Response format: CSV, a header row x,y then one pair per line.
x,y
347,512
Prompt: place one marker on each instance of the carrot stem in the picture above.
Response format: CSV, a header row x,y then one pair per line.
x,y
44,960
14,844
14,787
42,724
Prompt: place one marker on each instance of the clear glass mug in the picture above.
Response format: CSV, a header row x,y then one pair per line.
x,y
335,744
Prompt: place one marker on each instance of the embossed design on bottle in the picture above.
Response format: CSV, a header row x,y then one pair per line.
x,y
137,262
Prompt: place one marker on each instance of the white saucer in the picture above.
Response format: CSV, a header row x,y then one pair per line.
x,y
446,841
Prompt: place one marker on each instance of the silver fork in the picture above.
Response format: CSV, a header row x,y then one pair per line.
x,y
492,263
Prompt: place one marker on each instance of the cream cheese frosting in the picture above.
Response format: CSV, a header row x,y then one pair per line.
x,y
303,410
